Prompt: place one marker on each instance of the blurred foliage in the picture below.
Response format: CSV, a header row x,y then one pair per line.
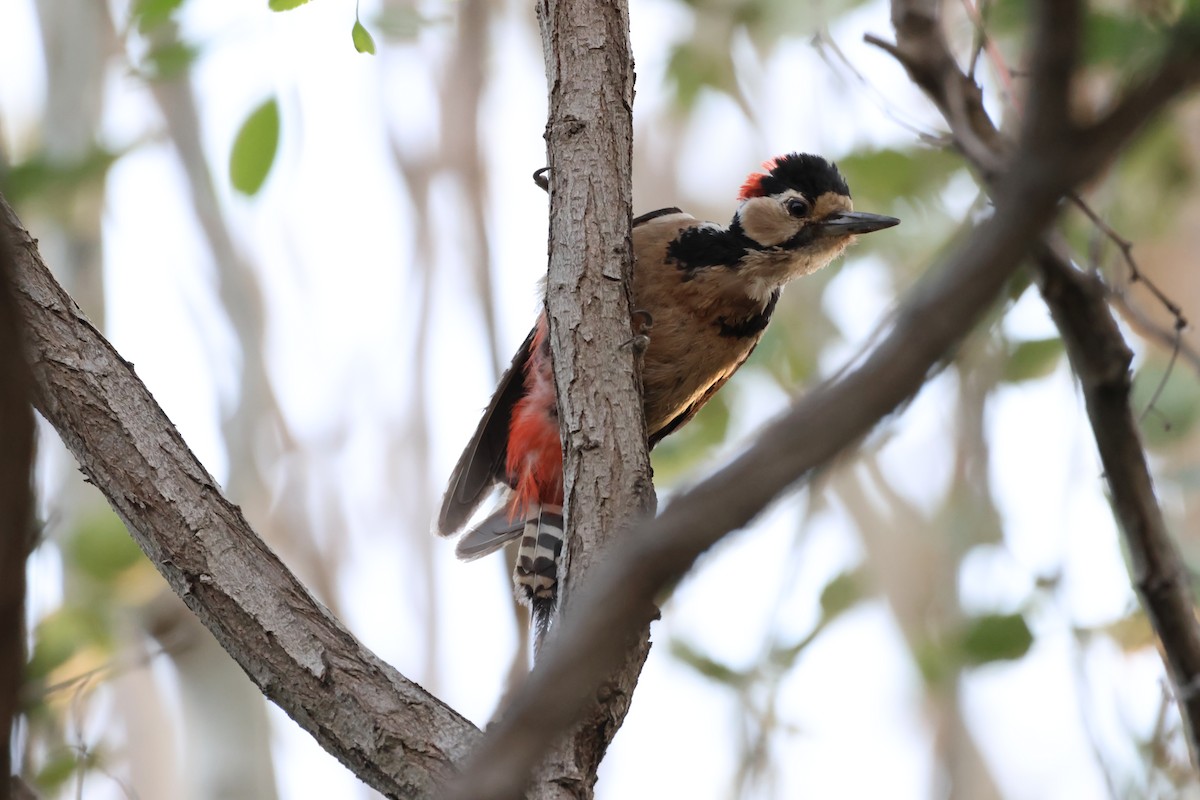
x,y
1157,158
916,173
678,454
169,60
47,182
977,641
994,637
705,60
1032,359
1166,396
146,15
402,23
107,577
758,686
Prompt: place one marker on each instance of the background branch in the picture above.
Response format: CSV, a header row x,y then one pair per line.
x,y
386,729
1097,351
1100,359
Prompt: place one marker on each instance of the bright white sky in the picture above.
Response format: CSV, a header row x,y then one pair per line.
x,y
332,237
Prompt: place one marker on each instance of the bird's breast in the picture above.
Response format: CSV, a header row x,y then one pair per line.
x,y
698,339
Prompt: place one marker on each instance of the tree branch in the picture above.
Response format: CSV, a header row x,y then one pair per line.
x,y
618,596
1100,359
1098,353
391,733
16,510
606,465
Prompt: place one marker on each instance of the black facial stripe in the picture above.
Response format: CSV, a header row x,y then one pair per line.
x,y
805,236
752,325
696,248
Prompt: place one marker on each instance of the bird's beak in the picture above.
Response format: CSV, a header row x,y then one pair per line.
x,y
848,222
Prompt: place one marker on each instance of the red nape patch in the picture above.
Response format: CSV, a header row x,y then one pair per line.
x,y
753,186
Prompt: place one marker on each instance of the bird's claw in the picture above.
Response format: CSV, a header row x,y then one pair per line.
x,y
641,322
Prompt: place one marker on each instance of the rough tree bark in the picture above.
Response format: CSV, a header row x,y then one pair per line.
x,y
16,510
606,465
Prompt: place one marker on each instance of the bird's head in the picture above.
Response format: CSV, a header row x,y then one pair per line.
x,y
799,214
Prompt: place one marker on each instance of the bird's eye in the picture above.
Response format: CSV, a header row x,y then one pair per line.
x,y
797,206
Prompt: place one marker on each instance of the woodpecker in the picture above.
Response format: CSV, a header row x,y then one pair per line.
x,y
709,292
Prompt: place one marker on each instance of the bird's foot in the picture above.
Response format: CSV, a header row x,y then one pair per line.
x,y
640,321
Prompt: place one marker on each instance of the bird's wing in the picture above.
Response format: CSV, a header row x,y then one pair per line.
x,y
482,462
489,535
662,212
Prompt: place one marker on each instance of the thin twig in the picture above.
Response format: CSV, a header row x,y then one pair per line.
x,y
1126,247
1101,359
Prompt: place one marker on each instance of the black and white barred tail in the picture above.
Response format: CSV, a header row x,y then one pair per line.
x,y
536,572
535,576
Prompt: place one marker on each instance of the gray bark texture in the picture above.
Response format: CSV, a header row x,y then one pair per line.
x,y
606,464
386,729
16,512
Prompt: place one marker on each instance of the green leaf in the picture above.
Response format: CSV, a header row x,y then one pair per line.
x,y
284,5
1032,359
995,637
254,148
363,42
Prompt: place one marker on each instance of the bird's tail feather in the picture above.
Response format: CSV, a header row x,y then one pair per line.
x,y
489,535
536,573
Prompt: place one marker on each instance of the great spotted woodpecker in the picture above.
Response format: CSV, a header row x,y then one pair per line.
x,y
709,291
